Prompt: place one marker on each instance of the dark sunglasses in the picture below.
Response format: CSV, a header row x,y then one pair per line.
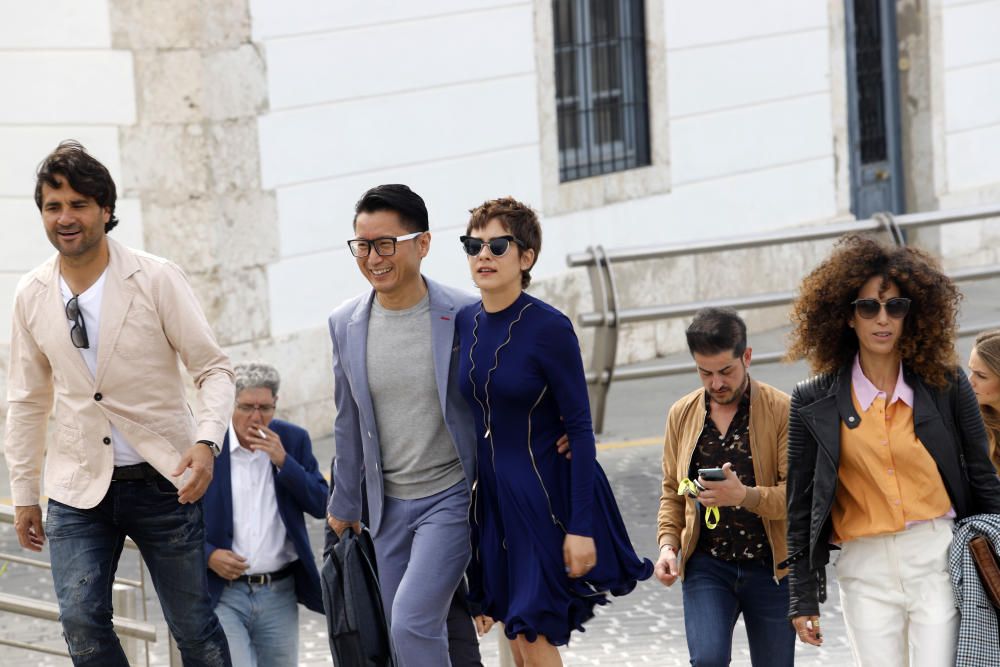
x,y
78,333
498,245
896,308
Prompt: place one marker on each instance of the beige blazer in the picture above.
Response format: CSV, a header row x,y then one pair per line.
x,y
679,523
150,318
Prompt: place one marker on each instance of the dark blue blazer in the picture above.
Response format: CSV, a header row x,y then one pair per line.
x,y
298,487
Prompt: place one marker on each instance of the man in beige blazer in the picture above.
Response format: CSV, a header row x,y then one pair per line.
x,y
98,330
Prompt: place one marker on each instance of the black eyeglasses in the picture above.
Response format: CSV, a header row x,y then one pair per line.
x,y
385,246
896,308
78,333
498,245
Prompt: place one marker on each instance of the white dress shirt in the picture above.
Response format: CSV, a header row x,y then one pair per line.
x,y
89,303
259,534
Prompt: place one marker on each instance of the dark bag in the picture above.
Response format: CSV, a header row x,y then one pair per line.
x,y
988,567
355,618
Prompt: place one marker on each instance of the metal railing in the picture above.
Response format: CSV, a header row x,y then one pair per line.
x,y
124,592
608,314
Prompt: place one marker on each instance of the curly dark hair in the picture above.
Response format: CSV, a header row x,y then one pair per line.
x,y
822,310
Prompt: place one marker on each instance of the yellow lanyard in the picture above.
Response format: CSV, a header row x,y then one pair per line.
x,y
687,487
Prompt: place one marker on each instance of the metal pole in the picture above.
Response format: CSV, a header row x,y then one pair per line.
x,y
124,604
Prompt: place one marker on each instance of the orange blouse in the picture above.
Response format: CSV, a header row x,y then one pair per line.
x,y
887,478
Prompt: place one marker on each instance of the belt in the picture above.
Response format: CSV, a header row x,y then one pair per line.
x,y
266,578
135,473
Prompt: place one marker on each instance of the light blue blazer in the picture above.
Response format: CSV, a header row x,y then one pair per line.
x,y
354,428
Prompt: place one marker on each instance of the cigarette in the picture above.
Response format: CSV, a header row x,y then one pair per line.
x,y
262,434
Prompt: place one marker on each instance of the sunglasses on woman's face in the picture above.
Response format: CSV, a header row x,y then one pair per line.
x,y
498,245
896,308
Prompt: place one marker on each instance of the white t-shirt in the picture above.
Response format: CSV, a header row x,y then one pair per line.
x,y
259,534
90,306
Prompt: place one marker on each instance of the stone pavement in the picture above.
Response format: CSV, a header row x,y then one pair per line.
x,y
643,628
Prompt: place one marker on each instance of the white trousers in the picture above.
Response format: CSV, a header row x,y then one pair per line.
x,y
896,592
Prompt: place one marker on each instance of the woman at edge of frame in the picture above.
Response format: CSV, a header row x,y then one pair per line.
x,y
886,448
549,542
984,376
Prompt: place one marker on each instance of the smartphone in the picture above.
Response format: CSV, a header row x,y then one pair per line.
x,y
712,474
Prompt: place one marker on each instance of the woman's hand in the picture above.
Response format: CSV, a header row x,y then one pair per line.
x,y
579,555
483,624
807,628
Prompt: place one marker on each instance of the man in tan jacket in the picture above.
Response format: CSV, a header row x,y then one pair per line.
x,y
725,537
97,333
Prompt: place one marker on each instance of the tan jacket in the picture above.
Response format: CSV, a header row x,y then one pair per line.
x,y
149,318
678,520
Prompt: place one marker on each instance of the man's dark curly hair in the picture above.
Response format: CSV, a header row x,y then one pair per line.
x,y
821,311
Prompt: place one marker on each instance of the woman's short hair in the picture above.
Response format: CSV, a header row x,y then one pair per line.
x,y
518,219
823,308
256,375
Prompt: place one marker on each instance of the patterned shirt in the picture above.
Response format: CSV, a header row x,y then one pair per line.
x,y
740,534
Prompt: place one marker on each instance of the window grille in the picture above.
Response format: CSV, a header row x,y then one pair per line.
x,y
870,81
601,101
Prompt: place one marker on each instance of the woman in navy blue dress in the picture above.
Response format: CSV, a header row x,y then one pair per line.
x,y
548,540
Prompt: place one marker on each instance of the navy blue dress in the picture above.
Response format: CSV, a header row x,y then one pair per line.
x,y
522,374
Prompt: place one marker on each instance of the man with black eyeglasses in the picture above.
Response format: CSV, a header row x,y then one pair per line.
x,y
403,424
260,562
98,330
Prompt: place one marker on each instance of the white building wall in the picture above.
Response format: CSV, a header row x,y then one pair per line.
x,y
970,55
444,95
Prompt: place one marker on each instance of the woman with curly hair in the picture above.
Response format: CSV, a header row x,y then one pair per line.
x,y
984,376
886,447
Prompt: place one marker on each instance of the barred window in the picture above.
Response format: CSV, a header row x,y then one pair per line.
x,y
601,103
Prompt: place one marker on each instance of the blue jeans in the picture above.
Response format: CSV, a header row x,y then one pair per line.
x,y
85,545
716,592
261,623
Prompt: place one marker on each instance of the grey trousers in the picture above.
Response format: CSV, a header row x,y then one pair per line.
x,y
423,548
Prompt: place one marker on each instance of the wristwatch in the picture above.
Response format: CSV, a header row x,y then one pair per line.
x,y
216,450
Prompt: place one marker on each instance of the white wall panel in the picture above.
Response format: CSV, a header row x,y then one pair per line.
x,y
973,158
54,24
714,144
972,96
24,147
695,22
275,18
373,134
303,290
970,33
317,216
731,75
396,56
737,205
65,87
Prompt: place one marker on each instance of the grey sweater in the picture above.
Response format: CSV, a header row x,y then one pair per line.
x,y
419,457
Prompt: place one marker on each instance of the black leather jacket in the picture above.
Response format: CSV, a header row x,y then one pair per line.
x,y
947,422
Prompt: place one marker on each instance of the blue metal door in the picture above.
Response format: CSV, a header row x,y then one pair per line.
x,y
873,107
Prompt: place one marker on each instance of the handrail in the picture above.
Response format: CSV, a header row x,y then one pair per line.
x,y
7,516
49,611
608,313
